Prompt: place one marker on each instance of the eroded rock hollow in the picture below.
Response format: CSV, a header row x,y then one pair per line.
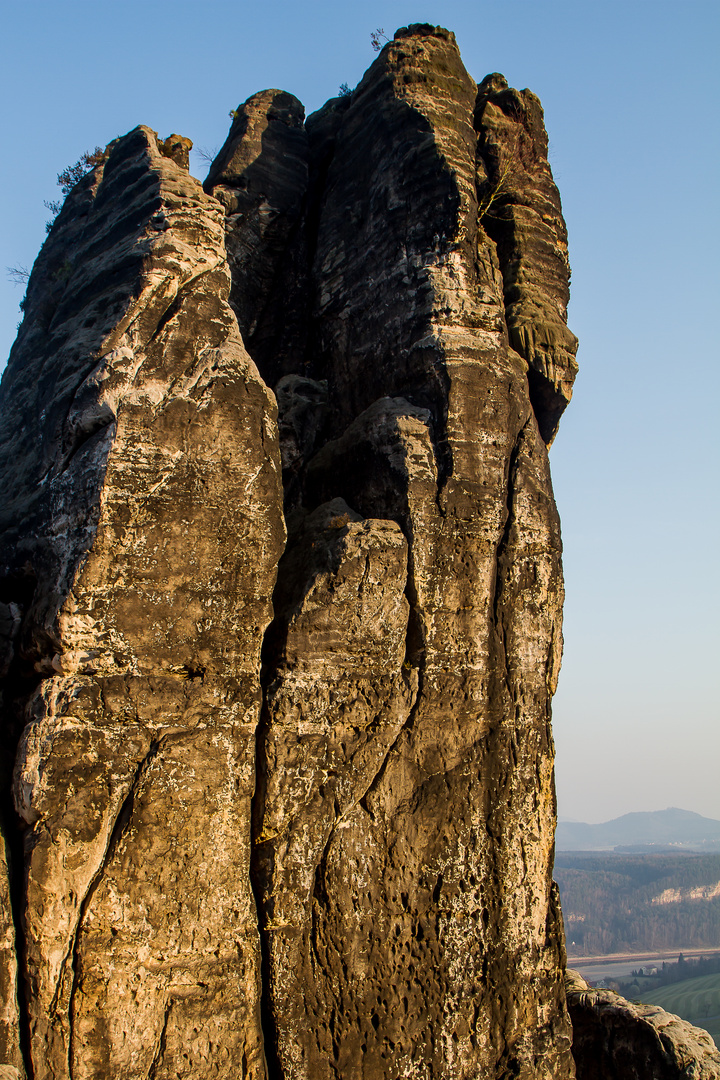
x,y
280,598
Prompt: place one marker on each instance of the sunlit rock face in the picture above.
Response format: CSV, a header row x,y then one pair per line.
x,y
286,809
144,527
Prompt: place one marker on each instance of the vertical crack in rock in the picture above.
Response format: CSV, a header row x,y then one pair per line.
x,y
407,724
160,1052
258,872
16,596
73,958
527,601
500,559
341,586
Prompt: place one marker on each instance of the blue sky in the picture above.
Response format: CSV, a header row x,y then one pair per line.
x,y
631,94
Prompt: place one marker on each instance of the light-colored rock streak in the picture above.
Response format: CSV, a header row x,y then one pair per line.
x,y
675,896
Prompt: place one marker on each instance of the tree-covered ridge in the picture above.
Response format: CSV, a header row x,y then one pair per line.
x,y
625,903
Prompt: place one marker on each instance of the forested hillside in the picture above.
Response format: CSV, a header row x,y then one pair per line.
x,y
630,903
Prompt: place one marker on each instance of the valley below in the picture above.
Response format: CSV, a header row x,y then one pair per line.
x,y
646,923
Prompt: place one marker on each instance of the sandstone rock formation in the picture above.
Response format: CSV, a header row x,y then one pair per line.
x,y
143,529
397,268
614,1037
10,1052
403,850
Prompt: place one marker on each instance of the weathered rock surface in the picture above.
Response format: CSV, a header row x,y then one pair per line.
x,y
615,1037
384,907
145,511
261,178
10,1053
520,208
421,938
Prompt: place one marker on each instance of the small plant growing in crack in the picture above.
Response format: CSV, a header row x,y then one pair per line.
x,y
19,275
513,158
69,177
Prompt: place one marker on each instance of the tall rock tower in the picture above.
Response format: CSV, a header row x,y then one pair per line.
x,y
284,808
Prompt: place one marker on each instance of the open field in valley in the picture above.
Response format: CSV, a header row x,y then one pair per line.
x,y
696,1000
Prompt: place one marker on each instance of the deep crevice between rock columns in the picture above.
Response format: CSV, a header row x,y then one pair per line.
x,y
272,649
14,836
497,619
20,683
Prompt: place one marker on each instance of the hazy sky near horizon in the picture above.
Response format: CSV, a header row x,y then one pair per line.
x,y
631,92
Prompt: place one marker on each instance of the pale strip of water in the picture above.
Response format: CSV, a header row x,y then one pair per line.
x,y
594,970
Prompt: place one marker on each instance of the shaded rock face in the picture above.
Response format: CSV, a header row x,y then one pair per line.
x,y
520,208
261,178
336,863
615,1037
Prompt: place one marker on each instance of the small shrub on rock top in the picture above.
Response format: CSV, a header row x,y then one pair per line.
x,y
515,157
19,275
69,177
377,38
205,155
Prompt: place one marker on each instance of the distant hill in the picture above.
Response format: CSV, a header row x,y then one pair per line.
x,y
653,830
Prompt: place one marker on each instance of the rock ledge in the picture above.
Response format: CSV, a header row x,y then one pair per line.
x,y
628,1041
